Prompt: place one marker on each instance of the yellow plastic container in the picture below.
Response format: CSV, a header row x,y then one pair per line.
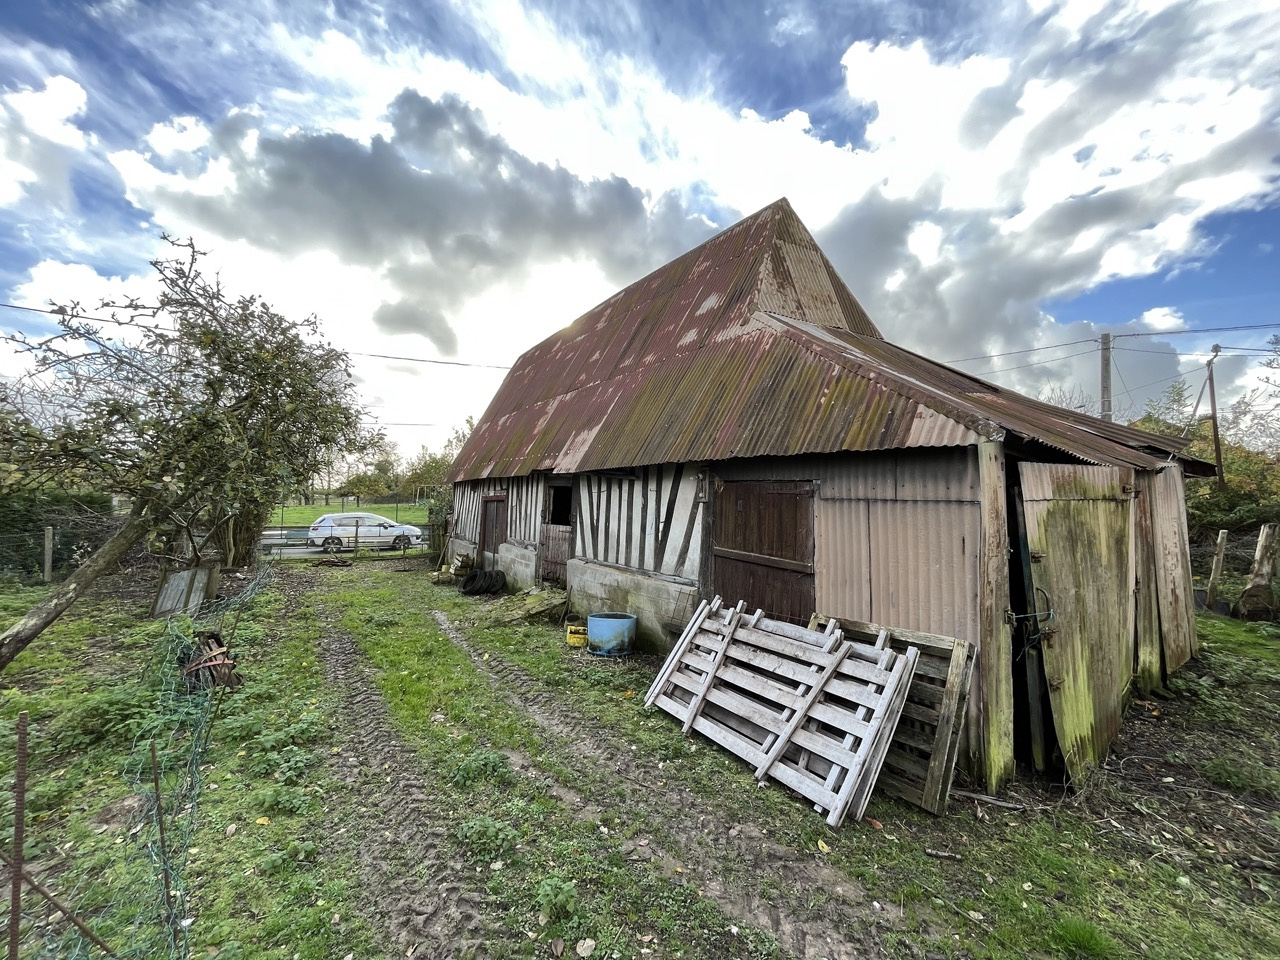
x,y
575,636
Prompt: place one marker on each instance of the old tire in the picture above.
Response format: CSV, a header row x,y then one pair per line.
x,y
471,582
497,582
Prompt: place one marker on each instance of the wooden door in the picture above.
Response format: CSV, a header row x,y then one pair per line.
x,y
493,530
762,547
1079,536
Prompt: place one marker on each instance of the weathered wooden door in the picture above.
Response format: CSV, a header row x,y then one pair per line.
x,y
555,542
1079,533
762,547
493,530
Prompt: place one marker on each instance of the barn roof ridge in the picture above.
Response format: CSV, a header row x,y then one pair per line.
x,y
750,344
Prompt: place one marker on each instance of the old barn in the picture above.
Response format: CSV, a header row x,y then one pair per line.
x,y
734,423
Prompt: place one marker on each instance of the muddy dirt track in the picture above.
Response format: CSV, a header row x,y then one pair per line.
x,y
426,902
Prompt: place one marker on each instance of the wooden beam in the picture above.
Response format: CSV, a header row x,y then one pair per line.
x,y
799,566
995,654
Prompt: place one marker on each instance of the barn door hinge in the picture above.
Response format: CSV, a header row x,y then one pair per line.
x,y
1036,556
1055,685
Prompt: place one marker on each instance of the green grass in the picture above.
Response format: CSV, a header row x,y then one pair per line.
x,y
547,870
1053,880
1222,637
94,682
1032,877
303,516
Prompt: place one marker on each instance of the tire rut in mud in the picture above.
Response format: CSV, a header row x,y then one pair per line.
x,y
820,913
414,889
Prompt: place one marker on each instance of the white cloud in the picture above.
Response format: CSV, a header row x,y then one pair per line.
x,y
36,133
178,135
1163,319
1087,144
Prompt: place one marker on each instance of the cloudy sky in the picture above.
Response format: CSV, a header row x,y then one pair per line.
x,y
456,182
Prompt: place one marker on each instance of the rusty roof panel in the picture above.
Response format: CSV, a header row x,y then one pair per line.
x,y
689,363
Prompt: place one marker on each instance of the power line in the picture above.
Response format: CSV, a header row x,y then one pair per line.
x,y
66,315
59,312
1153,333
1013,353
446,363
1177,333
1165,353
1034,362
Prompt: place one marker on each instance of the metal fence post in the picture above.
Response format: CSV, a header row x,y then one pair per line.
x,y
19,838
164,852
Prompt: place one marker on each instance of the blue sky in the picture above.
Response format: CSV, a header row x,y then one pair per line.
x,y
457,180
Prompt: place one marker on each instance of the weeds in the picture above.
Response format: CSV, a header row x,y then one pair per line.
x,y
486,838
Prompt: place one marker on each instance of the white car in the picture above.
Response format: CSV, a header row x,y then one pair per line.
x,y
339,531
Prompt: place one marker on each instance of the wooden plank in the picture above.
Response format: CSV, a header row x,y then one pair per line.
x,y
946,740
1173,569
805,784
879,746
801,709
764,560
763,660
704,610
760,637
696,705
1146,626
994,713
1086,570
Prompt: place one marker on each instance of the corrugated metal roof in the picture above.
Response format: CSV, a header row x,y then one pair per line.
x,y
750,345
984,406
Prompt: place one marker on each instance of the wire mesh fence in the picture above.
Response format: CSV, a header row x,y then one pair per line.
x,y
151,919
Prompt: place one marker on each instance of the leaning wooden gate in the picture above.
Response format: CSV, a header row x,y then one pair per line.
x,y
1079,532
556,546
762,546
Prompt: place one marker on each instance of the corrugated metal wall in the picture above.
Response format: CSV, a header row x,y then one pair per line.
x,y
896,535
650,521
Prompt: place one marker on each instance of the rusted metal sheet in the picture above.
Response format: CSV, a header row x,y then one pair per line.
x,y
842,558
750,345
924,559
1173,567
903,475
1086,568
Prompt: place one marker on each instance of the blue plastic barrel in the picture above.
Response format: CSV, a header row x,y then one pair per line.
x,y
610,634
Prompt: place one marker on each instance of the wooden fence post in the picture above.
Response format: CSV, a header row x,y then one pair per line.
x,y
1258,602
48,554
1211,595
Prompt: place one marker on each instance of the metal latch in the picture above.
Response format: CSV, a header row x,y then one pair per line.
x,y
1036,556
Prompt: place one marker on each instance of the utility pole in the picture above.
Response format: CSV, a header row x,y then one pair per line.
x,y
1105,391
1213,416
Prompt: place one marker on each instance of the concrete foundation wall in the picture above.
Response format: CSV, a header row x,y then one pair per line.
x,y
662,605
458,545
520,564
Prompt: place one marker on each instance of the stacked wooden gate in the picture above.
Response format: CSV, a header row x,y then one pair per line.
x,y
813,711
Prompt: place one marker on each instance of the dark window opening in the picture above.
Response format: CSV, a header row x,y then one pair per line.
x,y
561,512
